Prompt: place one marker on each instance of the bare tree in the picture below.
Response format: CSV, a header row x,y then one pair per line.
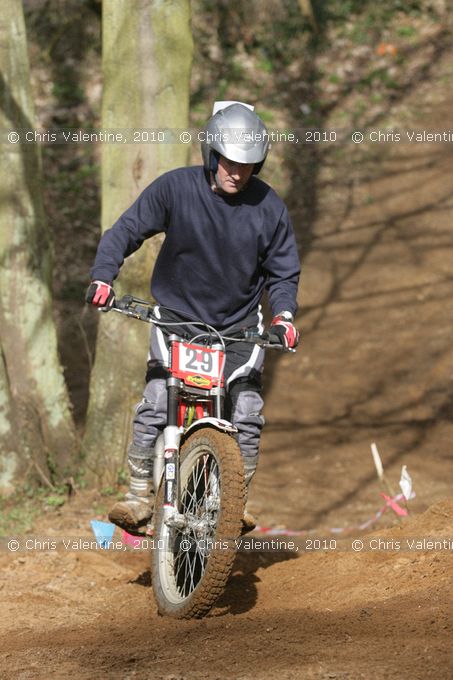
x,y
147,55
36,427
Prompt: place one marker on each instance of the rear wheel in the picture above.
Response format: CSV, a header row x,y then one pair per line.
x,y
191,564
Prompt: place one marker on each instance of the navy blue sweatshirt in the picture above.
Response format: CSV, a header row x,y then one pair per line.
x,y
219,252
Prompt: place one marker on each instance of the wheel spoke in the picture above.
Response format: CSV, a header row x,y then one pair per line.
x,y
199,504
202,483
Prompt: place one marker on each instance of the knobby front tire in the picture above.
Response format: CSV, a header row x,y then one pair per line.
x,y
191,566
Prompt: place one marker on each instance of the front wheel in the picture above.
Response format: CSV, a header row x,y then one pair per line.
x,y
191,564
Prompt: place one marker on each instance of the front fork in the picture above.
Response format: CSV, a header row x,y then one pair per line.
x,y
168,460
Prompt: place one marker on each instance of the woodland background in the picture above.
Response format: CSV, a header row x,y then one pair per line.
x,y
67,380
374,227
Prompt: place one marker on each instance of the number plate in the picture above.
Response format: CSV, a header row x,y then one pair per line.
x,y
198,366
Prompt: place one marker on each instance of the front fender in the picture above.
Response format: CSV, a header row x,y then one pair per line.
x,y
218,423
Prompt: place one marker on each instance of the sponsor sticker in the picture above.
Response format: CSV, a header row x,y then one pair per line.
x,y
198,381
170,471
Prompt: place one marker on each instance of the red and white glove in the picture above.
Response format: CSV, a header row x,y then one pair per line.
x,y
282,326
100,294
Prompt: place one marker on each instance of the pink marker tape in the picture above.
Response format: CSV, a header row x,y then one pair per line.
x,y
129,539
391,502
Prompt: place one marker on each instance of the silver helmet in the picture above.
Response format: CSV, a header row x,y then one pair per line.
x,y
236,133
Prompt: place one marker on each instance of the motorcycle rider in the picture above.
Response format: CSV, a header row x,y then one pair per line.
x,y
228,238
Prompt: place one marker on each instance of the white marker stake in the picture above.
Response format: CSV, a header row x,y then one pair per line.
x,y
406,483
377,461
380,470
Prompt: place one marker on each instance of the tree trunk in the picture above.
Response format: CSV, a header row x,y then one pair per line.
x,y
36,428
12,465
147,54
307,10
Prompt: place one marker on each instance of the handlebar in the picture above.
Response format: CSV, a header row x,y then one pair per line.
x,y
143,310
135,307
266,340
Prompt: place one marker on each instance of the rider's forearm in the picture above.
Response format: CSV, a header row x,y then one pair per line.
x,y
282,265
283,295
112,250
128,234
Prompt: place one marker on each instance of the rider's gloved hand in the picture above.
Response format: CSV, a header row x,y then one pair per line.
x,y
100,294
282,326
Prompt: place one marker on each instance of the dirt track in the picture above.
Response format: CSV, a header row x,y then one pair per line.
x,y
376,365
375,614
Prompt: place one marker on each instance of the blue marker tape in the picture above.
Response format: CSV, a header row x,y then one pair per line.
x,y
103,532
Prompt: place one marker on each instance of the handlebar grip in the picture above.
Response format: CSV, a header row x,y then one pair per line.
x,y
271,338
123,303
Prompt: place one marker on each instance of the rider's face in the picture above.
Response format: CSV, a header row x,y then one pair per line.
x,y
231,177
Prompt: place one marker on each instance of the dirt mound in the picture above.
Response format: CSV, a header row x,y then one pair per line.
x,y
380,612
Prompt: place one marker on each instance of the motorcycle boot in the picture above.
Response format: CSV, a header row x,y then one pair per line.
x,y
136,511
249,522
